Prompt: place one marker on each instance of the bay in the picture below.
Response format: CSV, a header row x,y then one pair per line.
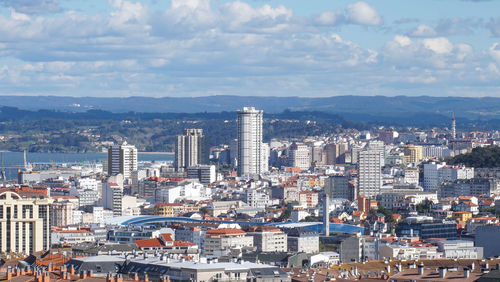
x,y
12,161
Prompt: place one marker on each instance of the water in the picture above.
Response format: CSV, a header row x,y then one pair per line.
x,y
13,161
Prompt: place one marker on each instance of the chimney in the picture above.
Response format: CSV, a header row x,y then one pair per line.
x,y
472,266
136,276
146,279
71,270
91,273
83,274
442,272
109,278
466,272
119,278
487,265
421,269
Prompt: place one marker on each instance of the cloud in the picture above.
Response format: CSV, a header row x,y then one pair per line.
x,y
33,6
363,14
202,47
423,31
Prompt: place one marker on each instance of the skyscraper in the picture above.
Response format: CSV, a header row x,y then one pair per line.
x,y
191,149
250,149
370,161
122,159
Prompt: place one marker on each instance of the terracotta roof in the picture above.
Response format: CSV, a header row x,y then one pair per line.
x,y
149,243
225,231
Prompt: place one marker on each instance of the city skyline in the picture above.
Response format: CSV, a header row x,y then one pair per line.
x,y
262,48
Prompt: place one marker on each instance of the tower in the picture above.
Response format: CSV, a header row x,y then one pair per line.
x,y
122,159
250,149
191,149
453,126
370,162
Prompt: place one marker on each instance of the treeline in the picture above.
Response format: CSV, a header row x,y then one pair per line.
x,y
52,131
479,157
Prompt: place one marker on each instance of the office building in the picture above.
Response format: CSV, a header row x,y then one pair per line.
x,y
24,221
370,161
122,159
191,148
206,174
250,148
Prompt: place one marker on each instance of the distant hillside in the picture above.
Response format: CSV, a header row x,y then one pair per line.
x,y
401,110
479,157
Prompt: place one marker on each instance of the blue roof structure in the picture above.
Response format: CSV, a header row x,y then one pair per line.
x,y
143,220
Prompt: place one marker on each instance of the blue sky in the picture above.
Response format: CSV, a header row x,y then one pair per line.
x,y
254,47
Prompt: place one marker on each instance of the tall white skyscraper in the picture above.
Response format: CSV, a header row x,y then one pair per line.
x,y
122,159
370,161
191,149
250,148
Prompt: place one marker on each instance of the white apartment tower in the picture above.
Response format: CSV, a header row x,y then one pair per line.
x,y
370,162
122,159
190,149
250,148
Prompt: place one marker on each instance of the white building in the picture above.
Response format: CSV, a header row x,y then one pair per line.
x,y
370,161
112,197
122,159
256,198
435,173
299,155
459,249
187,190
250,141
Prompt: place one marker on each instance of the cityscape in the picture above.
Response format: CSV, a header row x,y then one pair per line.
x,y
249,140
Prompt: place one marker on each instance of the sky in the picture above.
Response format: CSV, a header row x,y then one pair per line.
x,y
308,48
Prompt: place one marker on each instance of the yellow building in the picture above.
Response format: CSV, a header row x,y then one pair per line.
x,y
24,221
170,209
412,154
462,216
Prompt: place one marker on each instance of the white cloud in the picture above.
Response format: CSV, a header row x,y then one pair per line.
x,y
363,14
423,30
438,45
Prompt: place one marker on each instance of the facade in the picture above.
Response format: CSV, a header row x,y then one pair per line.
x,y
24,221
412,154
61,213
269,239
426,230
302,240
299,155
112,197
469,187
257,198
206,174
487,238
191,148
358,248
370,163
340,187
219,242
250,149
122,159
459,249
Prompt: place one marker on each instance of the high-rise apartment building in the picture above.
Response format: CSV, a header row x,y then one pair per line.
x,y
250,148
122,159
191,148
412,154
24,221
299,155
370,162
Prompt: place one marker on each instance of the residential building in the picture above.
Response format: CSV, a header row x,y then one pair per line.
x,y
24,221
250,149
299,155
301,239
370,163
341,187
122,159
112,197
220,241
269,239
412,154
191,148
